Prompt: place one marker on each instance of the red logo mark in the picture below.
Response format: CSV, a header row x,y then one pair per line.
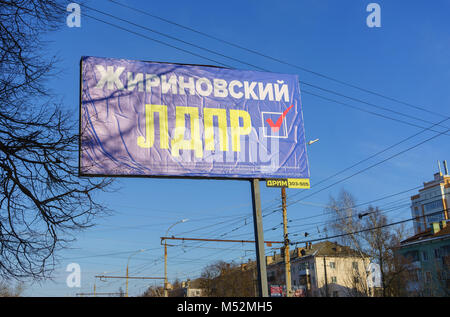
x,y
276,126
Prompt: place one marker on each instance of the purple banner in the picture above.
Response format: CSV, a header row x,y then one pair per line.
x,y
160,119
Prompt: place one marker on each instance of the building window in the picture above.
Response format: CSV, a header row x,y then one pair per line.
x,y
335,294
428,277
356,279
333,279
424,255
439,253
355,265
332,265
412,255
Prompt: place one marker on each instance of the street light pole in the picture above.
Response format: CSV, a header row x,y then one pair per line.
x,y
165,256
165,268
142,250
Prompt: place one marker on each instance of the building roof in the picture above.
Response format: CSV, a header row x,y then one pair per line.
x,y
443,232
428,234
325,248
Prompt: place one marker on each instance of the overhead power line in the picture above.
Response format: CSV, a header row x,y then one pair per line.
x,y
242,62
374,105
307,226
177,47
369,229
105,255
153,39
365,203
353,215
368,111
358,214
322,214
308,84
167,44
97,294
330,212
327,228
216,240
131,277
375,164
366,159
278,60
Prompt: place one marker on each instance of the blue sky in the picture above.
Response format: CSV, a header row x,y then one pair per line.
x,y
406,58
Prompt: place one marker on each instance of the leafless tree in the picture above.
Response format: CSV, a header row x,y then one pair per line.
x,y
382,241
42,199
367,231
11,291
344,221
222,279
154,291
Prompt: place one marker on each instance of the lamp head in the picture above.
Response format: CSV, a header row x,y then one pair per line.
x,y
313,141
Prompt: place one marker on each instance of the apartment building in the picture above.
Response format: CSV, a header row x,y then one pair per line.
x,y
432,202
428,253
326,269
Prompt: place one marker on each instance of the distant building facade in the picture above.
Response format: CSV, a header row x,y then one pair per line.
x,y
431,204
428,253
326,269
188,289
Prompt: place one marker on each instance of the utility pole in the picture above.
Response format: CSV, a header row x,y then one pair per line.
x,y
126,292
287,257
259,239
326,278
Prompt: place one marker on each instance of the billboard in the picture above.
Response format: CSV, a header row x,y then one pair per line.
x,y
277,291
173,120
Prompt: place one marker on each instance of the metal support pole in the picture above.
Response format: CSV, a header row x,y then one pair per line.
x,y
287,256
128,263
259,239
165,269
126,294
326,278
165,257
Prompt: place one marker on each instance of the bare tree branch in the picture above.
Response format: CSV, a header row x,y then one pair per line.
x,y
42,199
